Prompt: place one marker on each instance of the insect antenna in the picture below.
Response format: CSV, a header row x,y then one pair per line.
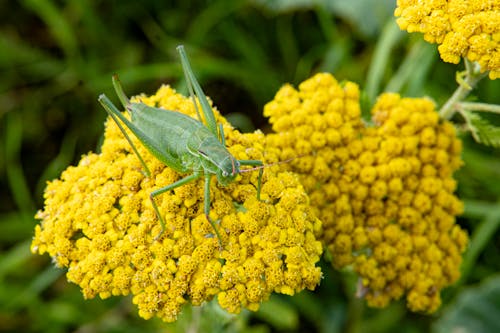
x,y
259,167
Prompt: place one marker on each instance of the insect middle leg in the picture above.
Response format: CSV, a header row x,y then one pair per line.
x,y
167,188
206,207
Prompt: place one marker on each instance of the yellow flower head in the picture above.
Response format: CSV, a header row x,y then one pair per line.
x,y
413,245
316,125
463,28
98,222
384,193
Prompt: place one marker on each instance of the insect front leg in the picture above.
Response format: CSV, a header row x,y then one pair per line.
x,y
255,163
172,186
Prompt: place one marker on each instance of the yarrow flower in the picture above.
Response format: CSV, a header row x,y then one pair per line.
x,y
463,28
317,123
98,222
403,196
384,193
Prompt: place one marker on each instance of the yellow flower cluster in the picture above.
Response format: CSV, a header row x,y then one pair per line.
x,y
463,28
98,222
384,193
317,125
403,197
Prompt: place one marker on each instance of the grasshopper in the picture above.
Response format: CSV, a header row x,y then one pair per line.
x,y
180,142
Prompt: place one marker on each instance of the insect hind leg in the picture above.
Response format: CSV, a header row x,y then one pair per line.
x,y
207,208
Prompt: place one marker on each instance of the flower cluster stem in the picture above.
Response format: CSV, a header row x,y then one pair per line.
x,y
466,84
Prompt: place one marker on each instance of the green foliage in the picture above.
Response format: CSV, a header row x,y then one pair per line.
x,y
476,309
482,130
57,57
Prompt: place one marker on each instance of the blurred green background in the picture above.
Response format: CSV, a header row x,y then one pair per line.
x,y
56,57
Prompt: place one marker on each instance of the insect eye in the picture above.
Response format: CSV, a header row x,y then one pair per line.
x,y
224,173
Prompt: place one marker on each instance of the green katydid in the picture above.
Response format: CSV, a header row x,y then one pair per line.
x,y
180,142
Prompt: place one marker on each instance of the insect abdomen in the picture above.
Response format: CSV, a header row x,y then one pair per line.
x,y
169,130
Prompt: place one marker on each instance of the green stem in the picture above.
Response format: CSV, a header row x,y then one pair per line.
x,y
466,84
194,324
485,107
354,314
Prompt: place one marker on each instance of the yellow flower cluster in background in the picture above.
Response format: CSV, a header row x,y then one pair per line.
x,y
98,222
384,193
463,28
404,202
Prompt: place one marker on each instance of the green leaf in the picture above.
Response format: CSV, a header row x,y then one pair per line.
x,y
476,309
482,130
